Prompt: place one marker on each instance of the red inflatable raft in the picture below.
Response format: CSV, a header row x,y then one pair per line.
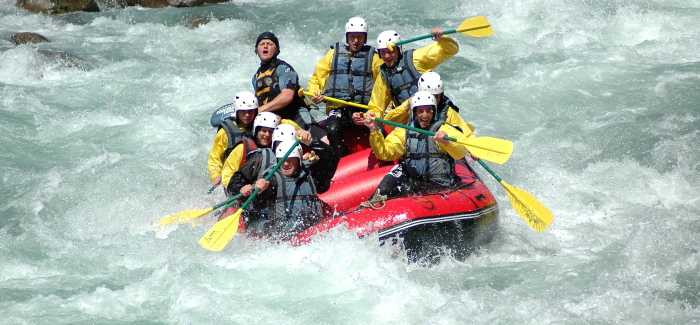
x,y
453,222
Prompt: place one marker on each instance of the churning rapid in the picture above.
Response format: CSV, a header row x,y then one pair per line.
x,y
105,130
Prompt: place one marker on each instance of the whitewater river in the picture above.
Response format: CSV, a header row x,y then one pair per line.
x,y
104,130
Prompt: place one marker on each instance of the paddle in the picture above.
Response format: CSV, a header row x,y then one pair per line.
x,y
528,207
475,27
222,211
221,233
189,215
331,99
211,189
491,149
342,102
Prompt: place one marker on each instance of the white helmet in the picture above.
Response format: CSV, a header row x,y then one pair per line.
x,y
245,101
284,146
356,25
266,119
389,36
284,132
423,98
431,82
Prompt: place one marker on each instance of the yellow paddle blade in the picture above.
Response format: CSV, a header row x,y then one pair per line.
x,y
184,216
476,27
529,208
488,148
221,233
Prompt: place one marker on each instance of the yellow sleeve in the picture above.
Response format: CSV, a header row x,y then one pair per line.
x,y
428,58
453,118
216,154
380,98
376,63
389,148
398,115
454,149
232,164
323,69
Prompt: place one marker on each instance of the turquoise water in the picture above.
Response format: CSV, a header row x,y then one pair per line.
x,y
105,130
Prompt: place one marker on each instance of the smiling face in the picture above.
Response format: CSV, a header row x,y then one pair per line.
x,y
424,115
356,41
264,136
246,117
266,50
389,57
289,167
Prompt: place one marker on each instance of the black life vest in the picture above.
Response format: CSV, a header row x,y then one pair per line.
x,y
442,107
267,88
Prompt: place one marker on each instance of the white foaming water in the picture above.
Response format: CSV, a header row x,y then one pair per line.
x,y
106,130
